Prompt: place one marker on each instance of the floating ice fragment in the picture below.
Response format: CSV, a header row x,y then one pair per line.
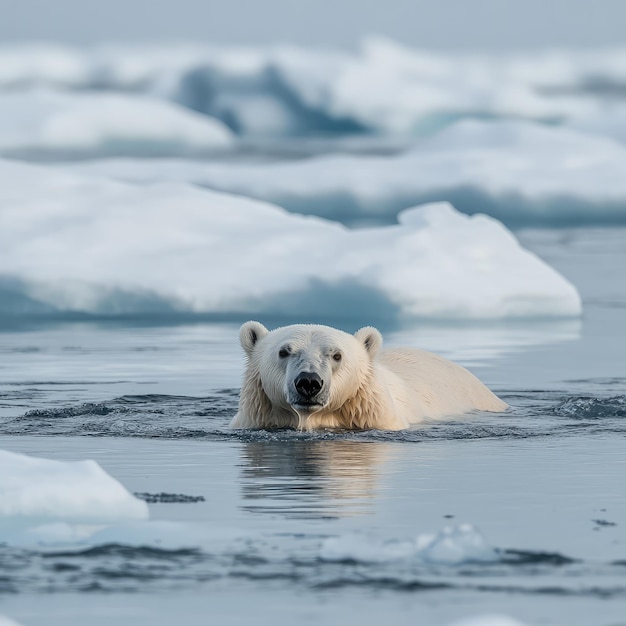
x,y
451,546
457,544
41,492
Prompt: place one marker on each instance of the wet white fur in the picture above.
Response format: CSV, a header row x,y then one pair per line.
x,y
367,388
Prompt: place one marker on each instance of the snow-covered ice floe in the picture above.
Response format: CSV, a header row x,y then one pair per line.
x,y
383,87
73,243
56,501
520,172
47,123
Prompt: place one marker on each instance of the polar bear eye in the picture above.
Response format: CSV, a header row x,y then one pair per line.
x,y
283,353
337,356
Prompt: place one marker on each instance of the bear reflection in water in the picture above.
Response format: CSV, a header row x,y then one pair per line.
x,y
317,478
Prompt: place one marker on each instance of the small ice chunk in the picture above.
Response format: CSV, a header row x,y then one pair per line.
x,y
457,544
451,546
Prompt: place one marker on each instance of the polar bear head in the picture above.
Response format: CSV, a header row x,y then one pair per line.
x,y
303,369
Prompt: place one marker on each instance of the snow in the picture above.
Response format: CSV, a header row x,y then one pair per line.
x,y
74,243
453,545
45,491
36,122
5,621
520,172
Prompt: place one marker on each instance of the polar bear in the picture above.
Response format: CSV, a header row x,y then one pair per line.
x,y
309,376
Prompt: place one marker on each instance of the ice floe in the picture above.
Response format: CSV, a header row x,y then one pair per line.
x,y
81,244
58,500
519,172
47,123
49,504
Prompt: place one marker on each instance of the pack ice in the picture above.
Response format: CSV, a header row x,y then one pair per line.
x,y
520,172
75,243
382,87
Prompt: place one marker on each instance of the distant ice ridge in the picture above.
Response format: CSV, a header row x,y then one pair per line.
x,y
41,497
381,88
73,243
53,123
520,172
454,545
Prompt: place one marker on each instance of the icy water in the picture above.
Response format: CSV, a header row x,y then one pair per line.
x,y
286,527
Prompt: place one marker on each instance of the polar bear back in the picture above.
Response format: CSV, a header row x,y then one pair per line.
x,y
427,386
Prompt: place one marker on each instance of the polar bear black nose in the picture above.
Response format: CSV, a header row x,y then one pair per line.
x,y
308,384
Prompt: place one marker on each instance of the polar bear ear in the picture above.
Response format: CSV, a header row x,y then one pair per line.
x,y
371,338
249,334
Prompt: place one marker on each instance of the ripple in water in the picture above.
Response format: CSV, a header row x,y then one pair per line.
x,y
299,561
533,414
592,408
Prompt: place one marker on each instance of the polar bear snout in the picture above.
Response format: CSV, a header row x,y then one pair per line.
x,y
308,384
308,391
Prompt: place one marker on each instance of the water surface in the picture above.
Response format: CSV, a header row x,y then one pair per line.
x,y
241,521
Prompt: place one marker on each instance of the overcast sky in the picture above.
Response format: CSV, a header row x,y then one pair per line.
x,y
444,24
